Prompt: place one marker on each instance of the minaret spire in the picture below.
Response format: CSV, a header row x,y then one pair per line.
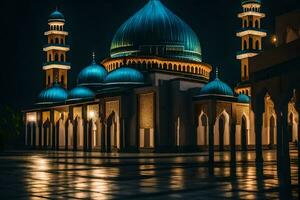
x,y
217,72
251,35
56,66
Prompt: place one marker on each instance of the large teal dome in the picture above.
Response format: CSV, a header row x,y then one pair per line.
x,y
124,75
217,87
54,94
80,93
92,75
156,31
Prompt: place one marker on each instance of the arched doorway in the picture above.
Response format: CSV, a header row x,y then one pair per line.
x,y
70,135
269,123
293,120
113,133
78,133
61,131
202,132
222,131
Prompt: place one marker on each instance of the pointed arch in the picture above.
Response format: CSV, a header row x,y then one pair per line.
x,y
202,130
222,130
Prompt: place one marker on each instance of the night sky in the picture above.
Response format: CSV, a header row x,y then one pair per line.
x,y
92,24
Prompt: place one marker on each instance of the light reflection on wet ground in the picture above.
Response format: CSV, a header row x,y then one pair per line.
x,y
63,175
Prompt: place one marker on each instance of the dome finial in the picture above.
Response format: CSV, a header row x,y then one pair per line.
x,y
217,72
93,56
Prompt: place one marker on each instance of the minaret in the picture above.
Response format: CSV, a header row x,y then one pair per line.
x,y
251,36
56,67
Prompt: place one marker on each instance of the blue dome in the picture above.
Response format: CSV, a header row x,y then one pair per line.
x,y
56,16
80,92
216,87
156,31
53,94
124,75
242,98
251,1
92,75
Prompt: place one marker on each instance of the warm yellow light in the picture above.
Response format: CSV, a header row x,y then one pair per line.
x,y
274,39
92,114
31,117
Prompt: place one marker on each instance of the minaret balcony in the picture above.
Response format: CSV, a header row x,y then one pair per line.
x,y
56,65
247,54
251,31
251,13
55,32
60,47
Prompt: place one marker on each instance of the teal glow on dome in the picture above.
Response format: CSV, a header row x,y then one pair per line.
x,y
216,87
54,94
81,92
94,74
156,31
251,1
242,98
56,16
124,75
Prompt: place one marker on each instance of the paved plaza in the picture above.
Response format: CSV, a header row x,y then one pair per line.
x,y
68,175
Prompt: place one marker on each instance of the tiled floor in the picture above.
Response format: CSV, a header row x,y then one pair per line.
x,y
67,175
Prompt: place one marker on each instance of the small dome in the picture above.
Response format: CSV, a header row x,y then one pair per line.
x,y
92,75
156,31
250,1
217,87
56,16
53,94
125,75
242,98
81,92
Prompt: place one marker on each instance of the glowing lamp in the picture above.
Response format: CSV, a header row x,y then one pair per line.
x,y
31,117
92,114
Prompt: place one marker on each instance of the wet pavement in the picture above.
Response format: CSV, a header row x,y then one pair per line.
x,y
68,175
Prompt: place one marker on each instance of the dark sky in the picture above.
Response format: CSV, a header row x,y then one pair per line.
x,y
92,24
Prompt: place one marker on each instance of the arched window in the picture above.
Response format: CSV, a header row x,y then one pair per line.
x,y
62,41
56,57
62,79
256,24
250,43
257,45
251,23
48,80
50,58
56,41
51,41
245,45
62,58
245,23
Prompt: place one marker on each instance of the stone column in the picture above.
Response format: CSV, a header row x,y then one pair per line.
x,y
211,156
298,142
85,128
258,136
52,129
232,142
283,156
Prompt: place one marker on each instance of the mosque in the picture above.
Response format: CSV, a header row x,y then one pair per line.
x,y
153,94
